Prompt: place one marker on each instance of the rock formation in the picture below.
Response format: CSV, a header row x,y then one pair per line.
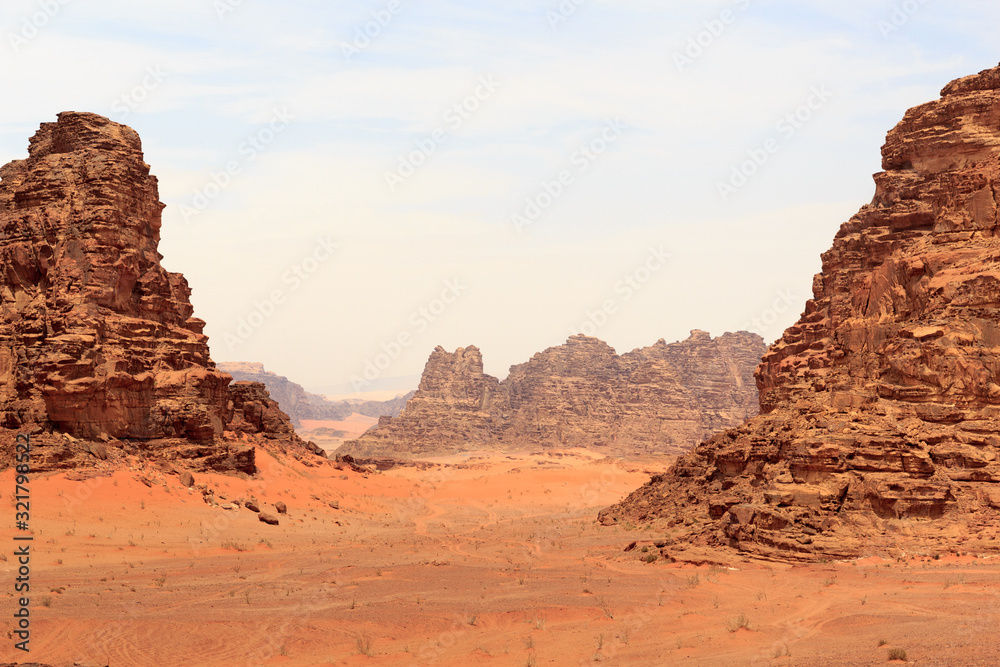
x,y
300,404
659,399
453,411
254,411
97,341
880,424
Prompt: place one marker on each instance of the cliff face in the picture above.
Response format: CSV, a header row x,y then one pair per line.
x,y
882,404
300,404
453,411
296,402
660,399
97,340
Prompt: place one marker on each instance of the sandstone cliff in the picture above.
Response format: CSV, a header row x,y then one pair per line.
x,y
300,404
659,399
97,341
881,424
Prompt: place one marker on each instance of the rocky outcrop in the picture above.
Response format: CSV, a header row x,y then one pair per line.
x,y
452,411
882,403
294,400
659,399
254,411
99,343
300,404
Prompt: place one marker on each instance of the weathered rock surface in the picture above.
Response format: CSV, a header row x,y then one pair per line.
x,y
255,412
300,404
99,343
880,424
663,399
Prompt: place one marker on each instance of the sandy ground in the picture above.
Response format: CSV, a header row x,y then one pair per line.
x,y
485,561
332,434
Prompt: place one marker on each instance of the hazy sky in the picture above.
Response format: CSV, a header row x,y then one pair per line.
x,y
349,185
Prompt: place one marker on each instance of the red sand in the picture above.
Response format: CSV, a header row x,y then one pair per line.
x,y
354,425
496,562
322,432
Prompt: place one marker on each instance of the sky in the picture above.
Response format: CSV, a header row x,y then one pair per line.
x,y
350,185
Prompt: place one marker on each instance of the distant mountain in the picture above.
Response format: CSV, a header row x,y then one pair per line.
x,y
301,405
662,399
395,385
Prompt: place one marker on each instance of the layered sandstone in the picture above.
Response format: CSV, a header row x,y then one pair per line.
x,y
98,342
659,399
881,406
300,404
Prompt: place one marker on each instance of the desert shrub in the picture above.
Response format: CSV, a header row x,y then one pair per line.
x,y
740,621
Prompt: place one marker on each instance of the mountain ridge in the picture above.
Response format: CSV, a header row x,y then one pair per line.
x,y
660,399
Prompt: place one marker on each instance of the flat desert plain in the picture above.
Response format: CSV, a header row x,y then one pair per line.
x,y
477,560
330,434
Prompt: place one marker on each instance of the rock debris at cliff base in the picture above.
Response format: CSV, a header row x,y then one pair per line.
x,y
880,424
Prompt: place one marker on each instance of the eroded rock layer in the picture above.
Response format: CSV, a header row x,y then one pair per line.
x,y
300,404
98,343
659,399
880,423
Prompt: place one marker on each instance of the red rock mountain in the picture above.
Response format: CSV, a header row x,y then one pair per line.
x,y
98,342
880,424
659,399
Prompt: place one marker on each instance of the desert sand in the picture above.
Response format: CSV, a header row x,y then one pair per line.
x,y
479,560
330,434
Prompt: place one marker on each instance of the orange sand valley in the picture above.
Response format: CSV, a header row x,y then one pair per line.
x,y
483,561
330,434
